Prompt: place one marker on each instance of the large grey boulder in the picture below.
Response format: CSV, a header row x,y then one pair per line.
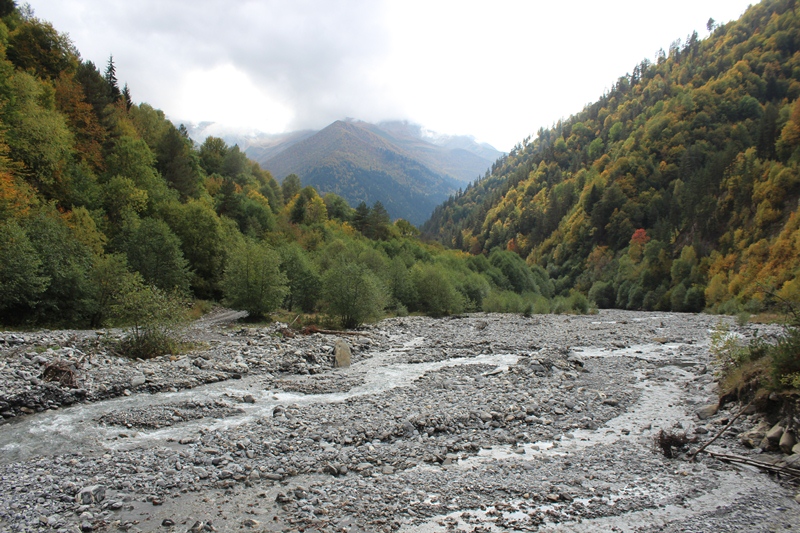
x,y
341,354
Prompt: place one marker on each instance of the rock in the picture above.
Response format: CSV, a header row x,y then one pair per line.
x,y
137,379
787,441
707,411
797,498
341,354
796,448
251,523
91,494
774,435
753,437
167,522
249,398
610,401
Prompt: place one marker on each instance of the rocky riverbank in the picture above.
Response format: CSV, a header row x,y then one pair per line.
x,y
477,423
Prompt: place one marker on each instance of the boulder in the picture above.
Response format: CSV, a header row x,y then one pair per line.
x,y
774,435
707,411
137,379
341,354
787,441
752,438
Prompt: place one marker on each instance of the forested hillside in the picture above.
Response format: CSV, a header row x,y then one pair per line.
x,y
678,189
111,215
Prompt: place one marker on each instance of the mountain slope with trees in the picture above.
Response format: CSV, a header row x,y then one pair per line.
x,y
111,215
676,190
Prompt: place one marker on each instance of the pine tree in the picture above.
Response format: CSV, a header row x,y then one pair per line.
x,y
126,96
111,79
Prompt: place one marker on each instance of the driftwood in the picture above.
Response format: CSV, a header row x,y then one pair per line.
x,y
771,467
308,330
729,424
62,373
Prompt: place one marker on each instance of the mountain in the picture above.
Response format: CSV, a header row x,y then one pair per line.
x,y
351,160
677,189
441,163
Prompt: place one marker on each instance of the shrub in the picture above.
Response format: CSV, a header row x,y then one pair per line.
x,y
504,302
154,317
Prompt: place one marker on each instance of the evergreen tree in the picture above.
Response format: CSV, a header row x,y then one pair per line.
x,y
111,80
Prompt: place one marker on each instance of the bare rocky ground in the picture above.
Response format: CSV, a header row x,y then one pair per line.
x,y
479,423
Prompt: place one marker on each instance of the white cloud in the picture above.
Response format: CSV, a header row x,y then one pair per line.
x,y
497,70
227,95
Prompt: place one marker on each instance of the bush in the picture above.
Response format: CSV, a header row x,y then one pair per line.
x,y
436,295
353,294
155,319
252,280
786,357
504,302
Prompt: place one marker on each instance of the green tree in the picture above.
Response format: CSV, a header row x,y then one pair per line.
x,y
212,153
22,281
290,187
155,252
178,163
353,294
303,281
253,281
111,80
35,46
436,295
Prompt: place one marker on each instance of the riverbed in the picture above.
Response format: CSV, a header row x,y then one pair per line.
x,y
474,423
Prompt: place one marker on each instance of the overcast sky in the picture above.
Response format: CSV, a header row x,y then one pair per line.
x,y
495,69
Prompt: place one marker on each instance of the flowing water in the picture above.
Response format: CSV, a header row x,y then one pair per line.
x,y
75,429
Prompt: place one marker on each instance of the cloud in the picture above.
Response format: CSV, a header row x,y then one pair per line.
x,y
313,58
497,70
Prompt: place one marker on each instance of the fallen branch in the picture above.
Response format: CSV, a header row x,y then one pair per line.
x,y
308,330
787,470
723,430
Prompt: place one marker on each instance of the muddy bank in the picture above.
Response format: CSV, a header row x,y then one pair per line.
x,y
481,423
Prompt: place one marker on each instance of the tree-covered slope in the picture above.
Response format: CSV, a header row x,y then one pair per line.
x,y
111,215
678,189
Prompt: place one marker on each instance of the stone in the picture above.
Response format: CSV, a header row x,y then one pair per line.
x,y
137,379
787,441
707,411
752,438
341,354
796,448
611,402
797,497
774,435
249,398
91,494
